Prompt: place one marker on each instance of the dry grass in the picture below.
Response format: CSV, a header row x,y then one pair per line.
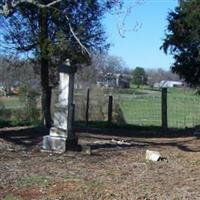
x,y
113,171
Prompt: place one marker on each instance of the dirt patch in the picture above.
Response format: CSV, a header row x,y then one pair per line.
x,y
116,169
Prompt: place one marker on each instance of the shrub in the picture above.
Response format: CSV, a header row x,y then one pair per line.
x,y
29,113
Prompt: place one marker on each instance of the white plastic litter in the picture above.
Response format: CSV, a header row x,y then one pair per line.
x,y
152,155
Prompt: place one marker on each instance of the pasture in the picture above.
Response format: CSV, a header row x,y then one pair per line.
x,y
10,102
183,106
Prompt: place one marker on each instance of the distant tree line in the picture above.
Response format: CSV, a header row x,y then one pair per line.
x,y
140,76
16,73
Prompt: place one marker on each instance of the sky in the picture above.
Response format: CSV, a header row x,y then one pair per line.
x,y
141,47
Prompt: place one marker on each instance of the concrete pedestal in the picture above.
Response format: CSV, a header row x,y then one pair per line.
x,y
59,144
56,144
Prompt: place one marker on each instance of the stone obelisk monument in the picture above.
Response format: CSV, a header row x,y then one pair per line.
x,y
62,136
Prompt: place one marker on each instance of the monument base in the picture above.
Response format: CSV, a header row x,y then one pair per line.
x,y
58,142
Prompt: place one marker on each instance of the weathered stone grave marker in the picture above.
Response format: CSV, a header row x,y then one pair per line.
x,y
62,136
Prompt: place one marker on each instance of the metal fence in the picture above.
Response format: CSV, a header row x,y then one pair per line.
x,y
173,108
183,111
91,105
179,108
141,110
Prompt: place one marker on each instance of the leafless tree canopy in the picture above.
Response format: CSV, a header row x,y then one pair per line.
x,y
101,64
15,72
157,75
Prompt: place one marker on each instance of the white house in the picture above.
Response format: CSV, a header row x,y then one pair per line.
x,y
168,84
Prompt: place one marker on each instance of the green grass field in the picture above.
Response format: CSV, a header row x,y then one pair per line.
x,y
14,112
143,106
10,102
145,109
142,110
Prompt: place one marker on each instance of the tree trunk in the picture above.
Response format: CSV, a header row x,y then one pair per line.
x,y
46,94
46,90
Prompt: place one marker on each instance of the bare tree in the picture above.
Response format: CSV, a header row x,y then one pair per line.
x,y
157,75
101,65
15,73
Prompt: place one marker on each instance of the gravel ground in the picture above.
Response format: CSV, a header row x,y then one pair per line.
x,y
116,169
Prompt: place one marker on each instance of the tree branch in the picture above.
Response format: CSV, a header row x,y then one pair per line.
x,y
9,7
76,38
123,13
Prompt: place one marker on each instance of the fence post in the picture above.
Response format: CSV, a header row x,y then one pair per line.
x,y
110,108
73,115
87,106
164,108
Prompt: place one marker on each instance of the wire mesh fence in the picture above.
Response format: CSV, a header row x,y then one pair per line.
x,y
134,107
183,111
96,106
141,108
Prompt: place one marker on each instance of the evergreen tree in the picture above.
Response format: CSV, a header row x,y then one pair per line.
x,y
182,40
139,76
